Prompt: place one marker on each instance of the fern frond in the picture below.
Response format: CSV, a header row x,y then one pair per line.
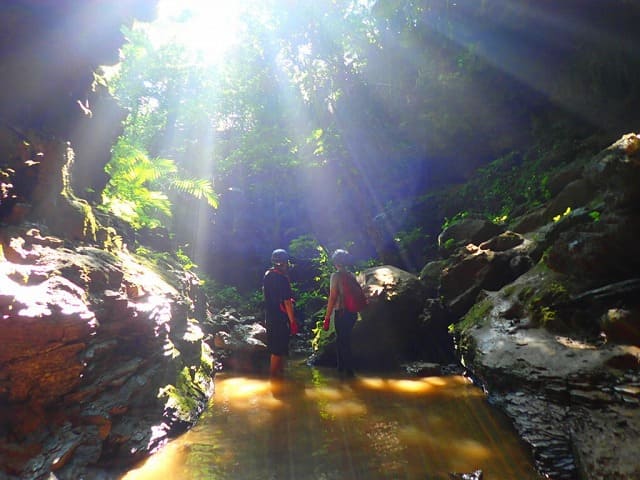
x,y
198,188
162,167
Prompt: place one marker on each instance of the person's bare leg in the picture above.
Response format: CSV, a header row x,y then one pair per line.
x,y
277,366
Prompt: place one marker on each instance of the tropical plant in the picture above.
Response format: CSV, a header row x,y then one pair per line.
x,y
324,112
137,191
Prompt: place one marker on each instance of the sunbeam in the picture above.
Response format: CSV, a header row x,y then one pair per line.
x,y
207,28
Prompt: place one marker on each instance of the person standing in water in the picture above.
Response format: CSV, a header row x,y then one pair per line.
x,y
344,320
279,314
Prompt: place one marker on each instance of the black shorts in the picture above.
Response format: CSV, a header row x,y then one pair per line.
x,y
278,334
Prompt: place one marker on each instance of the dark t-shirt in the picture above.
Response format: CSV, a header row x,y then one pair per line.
x,y
276,289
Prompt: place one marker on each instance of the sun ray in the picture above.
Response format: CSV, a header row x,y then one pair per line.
x,y
207,28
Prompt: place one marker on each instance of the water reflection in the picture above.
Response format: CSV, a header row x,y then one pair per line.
x,y
316,426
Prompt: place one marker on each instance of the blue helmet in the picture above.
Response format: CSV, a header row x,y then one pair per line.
x,y
279,257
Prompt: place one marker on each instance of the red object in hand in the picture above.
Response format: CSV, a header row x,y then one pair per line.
x,y
294,328
326,323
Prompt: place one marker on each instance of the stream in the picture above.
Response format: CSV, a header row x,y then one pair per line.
x,y
316,426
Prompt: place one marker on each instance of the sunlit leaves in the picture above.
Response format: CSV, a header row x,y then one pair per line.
x,y
136,191
199,188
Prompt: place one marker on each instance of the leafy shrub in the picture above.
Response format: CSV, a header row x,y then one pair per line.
x,y
221,296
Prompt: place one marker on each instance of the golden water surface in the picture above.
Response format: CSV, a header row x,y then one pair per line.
x,y
316,426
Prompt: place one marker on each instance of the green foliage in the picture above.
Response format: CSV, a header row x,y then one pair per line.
x,y
506,183
185,260
136,191
314,271
220,296
477,315
320,337
543,304
164,261
226,296
406,238
307,247
128,194
318,101
158,158
566,213
519,180
185,397
457,218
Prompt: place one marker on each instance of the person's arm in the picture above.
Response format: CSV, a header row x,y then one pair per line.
x,y
288,307
333,296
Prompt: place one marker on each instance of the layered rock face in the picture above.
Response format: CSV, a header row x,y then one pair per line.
x,y
101,358
551,315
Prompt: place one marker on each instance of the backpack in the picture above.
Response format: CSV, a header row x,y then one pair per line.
x,y
353,297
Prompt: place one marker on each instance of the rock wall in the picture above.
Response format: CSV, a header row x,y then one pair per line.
x,y
101,357
548,315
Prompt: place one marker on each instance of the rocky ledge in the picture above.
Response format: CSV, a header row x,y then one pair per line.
x,y
551,323
101,357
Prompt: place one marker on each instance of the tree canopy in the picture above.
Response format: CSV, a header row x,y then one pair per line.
x,y
338,118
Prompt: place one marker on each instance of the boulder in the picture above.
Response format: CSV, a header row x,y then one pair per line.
x,y
389,331
430,275
528,221
502,242
467,230
616,172
474,269
576,194
621,325
239,343
597,249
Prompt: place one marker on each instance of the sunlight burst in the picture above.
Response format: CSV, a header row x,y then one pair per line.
x,y
208,28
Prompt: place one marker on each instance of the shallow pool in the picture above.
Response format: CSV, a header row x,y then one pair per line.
x,y
314,425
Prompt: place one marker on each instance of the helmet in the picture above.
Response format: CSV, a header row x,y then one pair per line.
x,y
279,257
340,257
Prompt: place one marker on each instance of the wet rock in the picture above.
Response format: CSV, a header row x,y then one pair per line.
x,y
547,383
239,342
594,435
476,269
423,369
81,362
390,330
621,325
467,230
477,475
502,242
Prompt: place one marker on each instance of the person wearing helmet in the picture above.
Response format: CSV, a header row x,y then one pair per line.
x,y
344,320
279,315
